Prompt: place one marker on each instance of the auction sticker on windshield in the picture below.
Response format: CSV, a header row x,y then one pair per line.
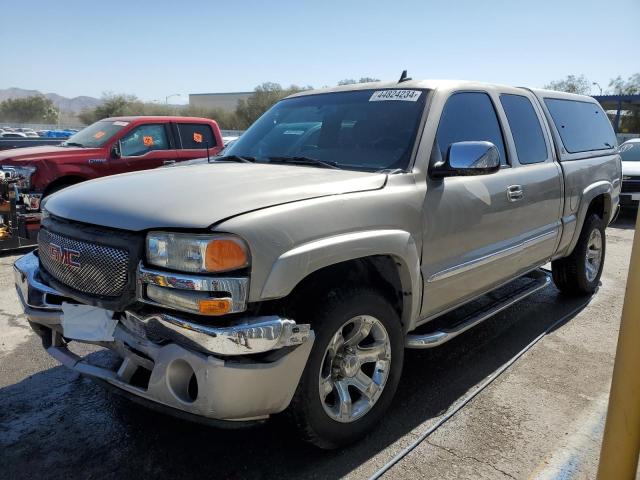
x,y
390,95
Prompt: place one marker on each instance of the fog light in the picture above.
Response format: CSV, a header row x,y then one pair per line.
x,y
189,301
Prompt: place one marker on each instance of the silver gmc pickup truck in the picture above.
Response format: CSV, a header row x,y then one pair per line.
x,y
290,273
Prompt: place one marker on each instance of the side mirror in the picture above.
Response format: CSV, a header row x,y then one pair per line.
x,y
116,150
468,158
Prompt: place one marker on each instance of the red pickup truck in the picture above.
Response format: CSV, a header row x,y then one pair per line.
x,y
109,146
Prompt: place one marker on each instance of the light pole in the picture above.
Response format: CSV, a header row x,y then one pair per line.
x,y
597,85
166,99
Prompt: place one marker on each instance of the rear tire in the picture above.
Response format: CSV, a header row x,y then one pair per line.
x,y
329,406
579,273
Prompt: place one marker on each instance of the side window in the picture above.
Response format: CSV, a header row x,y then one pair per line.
x,y
469,116
196,135
525,128
583,126
143,139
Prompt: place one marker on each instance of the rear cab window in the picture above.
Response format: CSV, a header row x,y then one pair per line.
x,y
582,126
526,130
196,136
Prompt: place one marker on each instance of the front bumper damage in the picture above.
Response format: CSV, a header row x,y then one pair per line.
x,y
194,369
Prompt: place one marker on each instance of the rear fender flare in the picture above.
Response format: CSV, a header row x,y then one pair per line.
x,y
592,191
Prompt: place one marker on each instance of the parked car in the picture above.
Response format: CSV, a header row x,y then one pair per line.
x,y
110,146
229,139
29,132
292,272
7,134
630,154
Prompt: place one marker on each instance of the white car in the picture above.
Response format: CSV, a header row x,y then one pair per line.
x,y
228,140
13,135
29,132
630,155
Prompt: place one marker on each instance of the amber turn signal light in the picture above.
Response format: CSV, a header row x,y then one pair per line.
x,y
215,306
225,254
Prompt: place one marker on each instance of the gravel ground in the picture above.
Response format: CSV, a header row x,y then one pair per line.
x,y
544,414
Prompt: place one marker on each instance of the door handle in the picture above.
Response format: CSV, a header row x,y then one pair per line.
x,y
515,193
168,162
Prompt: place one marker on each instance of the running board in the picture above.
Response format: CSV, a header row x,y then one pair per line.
x,y
540,278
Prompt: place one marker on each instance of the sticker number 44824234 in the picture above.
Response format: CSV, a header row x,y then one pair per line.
x,y
391,95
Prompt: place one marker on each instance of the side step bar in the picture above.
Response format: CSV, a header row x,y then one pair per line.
x,y
540,279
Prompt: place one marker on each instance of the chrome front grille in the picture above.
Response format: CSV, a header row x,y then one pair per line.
x,y
86,267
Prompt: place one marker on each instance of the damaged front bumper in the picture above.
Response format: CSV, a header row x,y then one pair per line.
x,y
194,368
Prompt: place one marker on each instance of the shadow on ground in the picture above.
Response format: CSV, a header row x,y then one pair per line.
x,y
57,424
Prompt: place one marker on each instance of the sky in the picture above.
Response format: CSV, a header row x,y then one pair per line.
x,y
152,49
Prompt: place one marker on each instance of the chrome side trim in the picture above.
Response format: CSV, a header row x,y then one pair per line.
x,y
246,336
236,287
465,267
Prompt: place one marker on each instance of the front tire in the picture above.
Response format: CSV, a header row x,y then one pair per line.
x,y
579,273
353,370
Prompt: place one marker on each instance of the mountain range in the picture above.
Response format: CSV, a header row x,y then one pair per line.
x,y
73,105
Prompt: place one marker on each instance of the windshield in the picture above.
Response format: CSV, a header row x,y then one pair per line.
x,y
96,135
362,130
630,152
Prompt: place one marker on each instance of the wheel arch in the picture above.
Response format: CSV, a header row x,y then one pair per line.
x,y
596,198
62,182
386,259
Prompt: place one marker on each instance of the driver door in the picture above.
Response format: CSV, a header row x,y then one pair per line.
x,y
147,146
473,225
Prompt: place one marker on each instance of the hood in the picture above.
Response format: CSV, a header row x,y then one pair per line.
x,y
26,154
631,168
198,196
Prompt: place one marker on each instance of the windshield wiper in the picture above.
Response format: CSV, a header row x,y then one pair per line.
x,y
234,158
73,144
298,160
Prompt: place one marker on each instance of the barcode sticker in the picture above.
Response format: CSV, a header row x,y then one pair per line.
x,y
393,95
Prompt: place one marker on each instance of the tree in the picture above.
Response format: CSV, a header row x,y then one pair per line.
x,y
113,105
630,122
36,109
629,87
571,84
351,81
263,97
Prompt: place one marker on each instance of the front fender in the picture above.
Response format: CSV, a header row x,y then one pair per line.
x,y
294,265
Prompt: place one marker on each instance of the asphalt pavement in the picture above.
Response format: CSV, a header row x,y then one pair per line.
x,y
543,415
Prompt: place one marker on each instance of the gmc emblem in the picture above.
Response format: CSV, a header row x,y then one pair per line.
x,y
64,256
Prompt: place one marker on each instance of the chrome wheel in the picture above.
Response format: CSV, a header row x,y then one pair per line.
x,y
355,368
593,257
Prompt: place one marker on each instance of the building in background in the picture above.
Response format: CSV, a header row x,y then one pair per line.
x,y
225,101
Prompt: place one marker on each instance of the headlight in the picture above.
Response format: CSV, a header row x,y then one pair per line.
x,y
196,253
22,175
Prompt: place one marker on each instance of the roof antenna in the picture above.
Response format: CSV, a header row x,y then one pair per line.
x,y
403,77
